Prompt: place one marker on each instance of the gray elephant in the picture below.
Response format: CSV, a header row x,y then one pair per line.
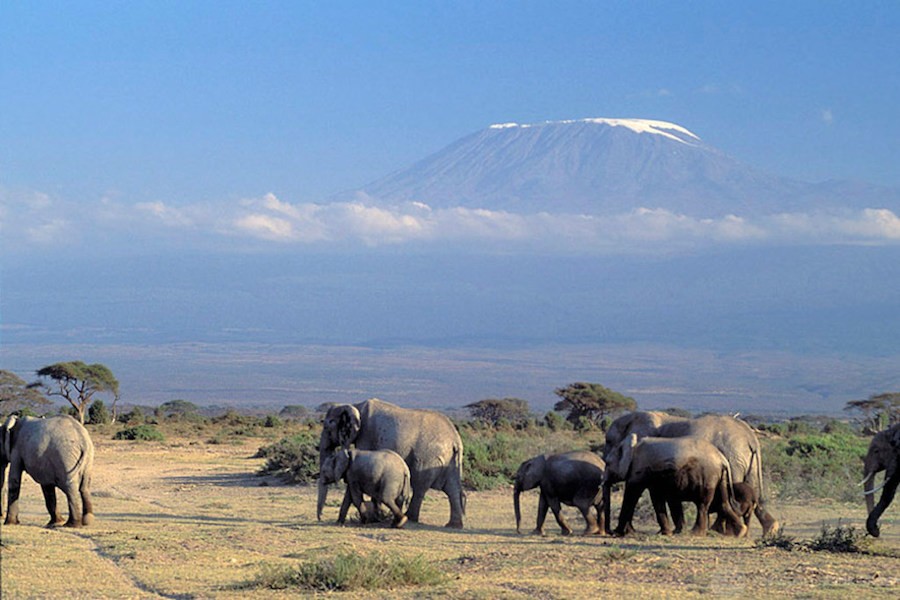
x,y
426,440
382,474
733,437
883,455
681,469
572,478
58,453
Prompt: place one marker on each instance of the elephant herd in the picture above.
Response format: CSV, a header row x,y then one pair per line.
x,y
395,455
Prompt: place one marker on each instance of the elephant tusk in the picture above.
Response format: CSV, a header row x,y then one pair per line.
x,y
868,477
872,491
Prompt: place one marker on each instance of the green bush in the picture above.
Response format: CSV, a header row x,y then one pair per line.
x,y
492,457
349,571
98,414
294,458
146,433
819,465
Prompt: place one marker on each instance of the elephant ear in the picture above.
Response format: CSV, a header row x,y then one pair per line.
x,y
628,453
348,426
342,460
894,437
9,428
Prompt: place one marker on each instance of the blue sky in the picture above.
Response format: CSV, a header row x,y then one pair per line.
x,y
189,103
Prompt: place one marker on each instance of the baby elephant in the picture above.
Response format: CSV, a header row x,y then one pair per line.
x,y
746,499
382,474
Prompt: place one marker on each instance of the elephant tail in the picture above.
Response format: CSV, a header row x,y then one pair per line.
x,y
406,492
79,465
756,467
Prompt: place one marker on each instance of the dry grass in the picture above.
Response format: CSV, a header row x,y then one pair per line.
x,y
192,520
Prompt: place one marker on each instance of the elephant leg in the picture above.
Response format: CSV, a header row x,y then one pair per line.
x,y
357,498
677,510
887,496
419,487
606,519
345,506
457,498
767,521
659,507
52,507
719,524
15,487
394,506
556,507
629,503
585,504
702,522
73,496
541,514
87,503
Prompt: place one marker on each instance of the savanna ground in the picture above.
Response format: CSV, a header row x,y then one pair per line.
x,y
192,519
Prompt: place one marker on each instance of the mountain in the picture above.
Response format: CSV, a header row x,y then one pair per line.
x,y
608,166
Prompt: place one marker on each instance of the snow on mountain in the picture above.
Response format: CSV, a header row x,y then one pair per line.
x,y
604,166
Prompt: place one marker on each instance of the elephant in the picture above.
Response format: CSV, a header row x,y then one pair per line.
x,y
883,455
426,440
745,499
733,437
58,453
679,469
572,478
382,474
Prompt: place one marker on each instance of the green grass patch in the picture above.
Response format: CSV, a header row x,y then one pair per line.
x,y
350,571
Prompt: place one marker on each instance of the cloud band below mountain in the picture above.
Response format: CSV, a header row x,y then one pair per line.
x,y
37,221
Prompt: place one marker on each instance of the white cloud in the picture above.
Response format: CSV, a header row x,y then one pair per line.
x,y
827,116
34,220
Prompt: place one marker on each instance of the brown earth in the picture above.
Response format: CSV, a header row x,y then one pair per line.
x,y
187,519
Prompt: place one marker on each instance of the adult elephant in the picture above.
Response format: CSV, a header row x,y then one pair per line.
x,y
883,455
572,478
58,453
734,438
425,439
674,469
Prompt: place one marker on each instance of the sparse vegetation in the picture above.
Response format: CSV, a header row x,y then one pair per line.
x,y
348,571
840,538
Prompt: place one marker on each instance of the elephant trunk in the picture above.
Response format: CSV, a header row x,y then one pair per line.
x,y
517,491
323,494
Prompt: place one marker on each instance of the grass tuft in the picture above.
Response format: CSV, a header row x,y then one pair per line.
x,y
349,571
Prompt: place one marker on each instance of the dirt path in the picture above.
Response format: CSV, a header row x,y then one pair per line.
x,y
192,520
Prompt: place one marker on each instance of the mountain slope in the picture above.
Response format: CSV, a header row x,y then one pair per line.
x,y
607,166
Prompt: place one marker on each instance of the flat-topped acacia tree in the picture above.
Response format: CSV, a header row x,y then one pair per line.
x,y
77,382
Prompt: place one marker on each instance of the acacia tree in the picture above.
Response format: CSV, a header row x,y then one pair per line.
x,y
493,410
77,382
879,411
592,401
16,395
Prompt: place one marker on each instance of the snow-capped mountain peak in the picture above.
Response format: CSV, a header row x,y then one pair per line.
x,y
651,126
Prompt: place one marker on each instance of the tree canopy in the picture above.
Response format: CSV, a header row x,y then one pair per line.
x,y
493,410
879,411
16,395
592,401
77,382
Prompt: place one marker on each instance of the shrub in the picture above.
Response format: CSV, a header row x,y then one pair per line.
x,y
98,414
817,465
350,571
272,421
294,458
146,433
840,539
